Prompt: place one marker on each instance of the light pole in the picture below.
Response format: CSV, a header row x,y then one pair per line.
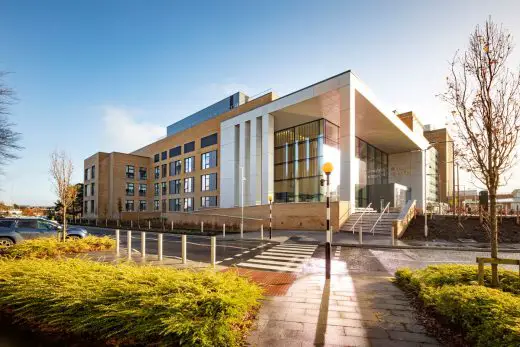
x,y
270,217
242,199
327,169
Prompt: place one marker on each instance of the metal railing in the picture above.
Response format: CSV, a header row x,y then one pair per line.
x,y
357,220
379,218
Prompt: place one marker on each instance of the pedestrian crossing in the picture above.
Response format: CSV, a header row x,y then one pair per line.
x,y
289,257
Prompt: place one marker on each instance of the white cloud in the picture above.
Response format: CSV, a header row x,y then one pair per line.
x,y
124,133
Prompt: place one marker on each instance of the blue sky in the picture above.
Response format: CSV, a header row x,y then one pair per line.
x,y
111,75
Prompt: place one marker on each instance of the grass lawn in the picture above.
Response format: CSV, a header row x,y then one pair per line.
x,y
50,247
486,316
127,304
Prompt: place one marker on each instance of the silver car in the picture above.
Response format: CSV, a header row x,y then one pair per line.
x,y
15,230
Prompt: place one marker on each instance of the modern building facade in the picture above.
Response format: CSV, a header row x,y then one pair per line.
x,y
242,151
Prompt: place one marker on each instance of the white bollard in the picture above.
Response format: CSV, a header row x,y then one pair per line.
x,y
149,225
129,243
117,243
241,230
201,227
172,225
224,230
132,224
360,236
261,231
143,244
393,236
213,250
160,246
183,250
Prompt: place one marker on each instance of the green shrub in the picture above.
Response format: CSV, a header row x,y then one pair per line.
x,y
487,316
50,247
128,304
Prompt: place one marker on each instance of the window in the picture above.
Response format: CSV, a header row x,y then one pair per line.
x,y
175,187
129,205
209,140
189,164
142,205
178,167
175,205
163,188
156,173
27,223
130,171
189,185
92,206
175,151
142,189
86,174
164,155
156,158
156,189
130,189
92,189
163,205
164,168
93,172
208,182
156,205
208,201
189,147
209,160
86,207
188,204
86,190
142,173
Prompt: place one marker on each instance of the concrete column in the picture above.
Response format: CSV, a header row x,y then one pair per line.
x,y
241,163
267,157
347,144
227,166
252,170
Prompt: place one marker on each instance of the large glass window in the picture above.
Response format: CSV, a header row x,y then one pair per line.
x,y
142,189
208,182
156,189
156,172
163,188
130,189
130,171
142,205
189,185
189,147
175,151
209,140
175,187
373,169
188,204
164,168
156,205
298,156
164,155
129,205
189,164
175,205
209,160
208,201
142,173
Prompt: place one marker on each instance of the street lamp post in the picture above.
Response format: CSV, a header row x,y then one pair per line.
x,y
270,217
327,169
242,198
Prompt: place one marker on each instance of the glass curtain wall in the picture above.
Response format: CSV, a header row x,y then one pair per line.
x,y
373,169
298,157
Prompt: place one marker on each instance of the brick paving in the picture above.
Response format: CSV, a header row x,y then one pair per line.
x,y
274,283
348,310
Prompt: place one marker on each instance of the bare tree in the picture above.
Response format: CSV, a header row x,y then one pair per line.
x,y
485,95
61,173
9,138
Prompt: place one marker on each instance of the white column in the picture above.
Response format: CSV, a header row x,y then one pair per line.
x,y
241,163
267,157
227,165
347,144
253,174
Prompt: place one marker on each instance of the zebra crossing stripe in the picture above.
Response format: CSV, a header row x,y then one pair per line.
x,y
283,258
291,254
280,258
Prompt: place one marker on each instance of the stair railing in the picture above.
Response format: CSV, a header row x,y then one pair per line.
x,y
379,218
361,216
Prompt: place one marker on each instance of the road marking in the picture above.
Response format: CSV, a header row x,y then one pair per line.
x,y
283,258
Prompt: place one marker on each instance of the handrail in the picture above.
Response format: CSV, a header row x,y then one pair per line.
x,y
406,215
379,218
366,208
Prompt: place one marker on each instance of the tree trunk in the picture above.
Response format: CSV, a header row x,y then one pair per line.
x,y
494,236
64,223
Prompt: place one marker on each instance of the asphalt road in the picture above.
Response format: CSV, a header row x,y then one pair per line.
x,y
198,247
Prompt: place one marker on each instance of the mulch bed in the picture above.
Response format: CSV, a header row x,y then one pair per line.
x,y
274,283
448,228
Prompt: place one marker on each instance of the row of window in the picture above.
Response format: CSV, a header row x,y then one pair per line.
x,y
174,205
130,172
208,161
207,183
89,207
90,173
188,147
90,189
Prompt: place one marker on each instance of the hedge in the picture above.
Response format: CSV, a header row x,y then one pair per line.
x,y
50,247
128,304
486,316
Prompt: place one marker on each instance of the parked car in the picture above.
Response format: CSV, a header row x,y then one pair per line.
x,y
15,230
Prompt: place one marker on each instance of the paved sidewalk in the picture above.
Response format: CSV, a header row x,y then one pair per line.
x,y
348,310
